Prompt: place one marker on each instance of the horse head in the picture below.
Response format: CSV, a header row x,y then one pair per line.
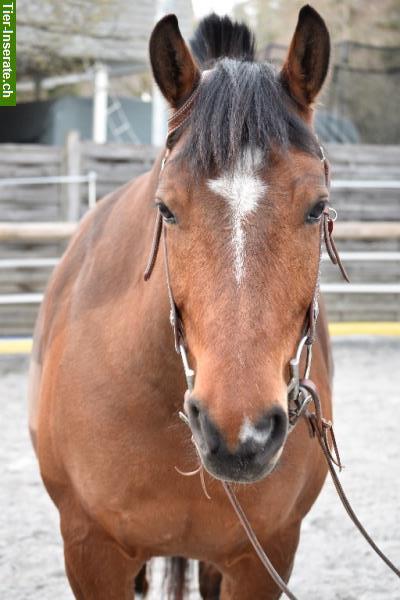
x,y
241,196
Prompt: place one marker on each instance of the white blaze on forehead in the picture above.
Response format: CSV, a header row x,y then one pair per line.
x,y
242,189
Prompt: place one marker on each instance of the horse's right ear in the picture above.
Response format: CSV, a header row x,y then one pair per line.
x,y
174,68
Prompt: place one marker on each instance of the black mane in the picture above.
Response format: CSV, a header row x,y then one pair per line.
x,y
241,104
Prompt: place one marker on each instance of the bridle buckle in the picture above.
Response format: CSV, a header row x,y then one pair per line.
x,y
298,397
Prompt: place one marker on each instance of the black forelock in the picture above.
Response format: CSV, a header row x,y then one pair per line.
x,y
242,106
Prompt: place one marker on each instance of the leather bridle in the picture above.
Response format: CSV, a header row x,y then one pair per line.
x,y
301,392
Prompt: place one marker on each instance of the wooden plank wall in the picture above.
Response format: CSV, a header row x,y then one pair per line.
x,y
37,203
116,164
365,162
368,162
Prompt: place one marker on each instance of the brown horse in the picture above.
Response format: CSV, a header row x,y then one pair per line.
x,y
241,197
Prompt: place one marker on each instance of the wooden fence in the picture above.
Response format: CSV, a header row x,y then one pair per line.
x,y
114,165
36,222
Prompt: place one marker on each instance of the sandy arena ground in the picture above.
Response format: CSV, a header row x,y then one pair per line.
x,y
333,561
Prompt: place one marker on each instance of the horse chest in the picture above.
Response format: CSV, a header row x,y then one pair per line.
x,y
165,513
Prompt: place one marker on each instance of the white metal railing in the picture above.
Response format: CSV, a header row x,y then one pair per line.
x,y
56,231
7,299
326,288
361,288
329,288
90,179
366,184
37,263
28,263
366,256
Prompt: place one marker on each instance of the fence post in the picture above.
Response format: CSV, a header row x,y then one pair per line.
x,y
72,167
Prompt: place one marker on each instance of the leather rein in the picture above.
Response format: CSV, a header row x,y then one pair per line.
x,y
302,392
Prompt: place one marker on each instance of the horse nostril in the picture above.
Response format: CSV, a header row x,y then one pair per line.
x,y
206,433
193,409
265,436
279,424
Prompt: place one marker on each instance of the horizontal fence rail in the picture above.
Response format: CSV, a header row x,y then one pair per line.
x,y
17,181
361,230
33,263
326,288
28,263
58,231
361,288
27,298
365,184
90,179
36,232
363,256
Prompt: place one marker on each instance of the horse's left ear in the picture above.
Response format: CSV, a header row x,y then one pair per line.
x,y
307,62
174,68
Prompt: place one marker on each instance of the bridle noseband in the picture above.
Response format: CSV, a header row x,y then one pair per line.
x,y
301,390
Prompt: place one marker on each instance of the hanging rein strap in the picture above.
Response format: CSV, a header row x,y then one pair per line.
x,y
255,543
320,428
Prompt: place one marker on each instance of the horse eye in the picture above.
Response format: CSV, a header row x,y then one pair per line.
x,y
315,214
166,214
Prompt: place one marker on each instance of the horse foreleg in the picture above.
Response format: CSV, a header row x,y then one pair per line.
x,y
96,567
246,578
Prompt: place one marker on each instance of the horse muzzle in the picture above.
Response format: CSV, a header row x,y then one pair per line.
x,y
257,451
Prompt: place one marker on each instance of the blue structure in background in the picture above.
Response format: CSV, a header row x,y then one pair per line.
x,y
48,122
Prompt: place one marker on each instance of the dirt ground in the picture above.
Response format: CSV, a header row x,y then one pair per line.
x,y
333,561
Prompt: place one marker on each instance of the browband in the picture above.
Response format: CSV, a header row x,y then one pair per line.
x,y
180,116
